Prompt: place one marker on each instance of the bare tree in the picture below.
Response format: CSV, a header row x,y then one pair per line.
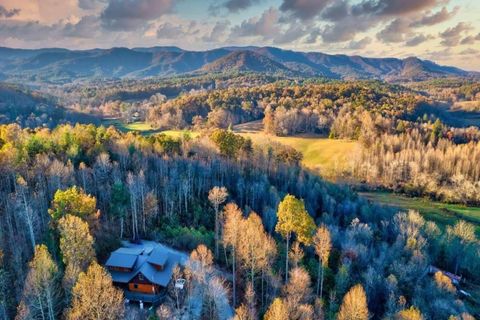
x,y
323,246
217,196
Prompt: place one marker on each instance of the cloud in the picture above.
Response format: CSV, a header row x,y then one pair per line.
x,y
335,12
218,32
416,40
360,44
133,14
395,31
393,7
237,5
87,27
468,40
265,26
168,30
469,51
90,4
438,17
5,13
304,9
452,36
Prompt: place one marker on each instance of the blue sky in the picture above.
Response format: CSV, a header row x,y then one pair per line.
x,y
446,31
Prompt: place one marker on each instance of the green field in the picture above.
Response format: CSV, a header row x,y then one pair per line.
x,y
328,157
141,127
145,129
442,213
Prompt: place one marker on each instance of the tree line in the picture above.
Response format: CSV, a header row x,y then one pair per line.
x,y
295,245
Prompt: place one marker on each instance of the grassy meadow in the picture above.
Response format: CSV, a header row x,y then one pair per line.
x,y
442,213
328,157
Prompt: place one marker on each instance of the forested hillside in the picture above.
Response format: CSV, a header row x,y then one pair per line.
x,y
67,66
117,185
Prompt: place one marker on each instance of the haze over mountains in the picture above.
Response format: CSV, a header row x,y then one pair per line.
x,y
62,65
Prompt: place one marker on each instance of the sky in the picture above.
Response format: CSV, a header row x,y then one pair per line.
x,y
445,31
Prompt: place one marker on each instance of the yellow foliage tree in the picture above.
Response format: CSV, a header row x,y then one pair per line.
x,y
354,305
73,201
95,297
411,313
76,245
277,311
293,218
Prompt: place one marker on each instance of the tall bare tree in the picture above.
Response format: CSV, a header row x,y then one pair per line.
x,y
323,246
217,196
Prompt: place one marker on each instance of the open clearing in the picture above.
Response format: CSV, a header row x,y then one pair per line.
x,y
441,213
328,157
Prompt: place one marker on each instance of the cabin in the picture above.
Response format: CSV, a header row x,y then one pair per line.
x,y
453,277
143,269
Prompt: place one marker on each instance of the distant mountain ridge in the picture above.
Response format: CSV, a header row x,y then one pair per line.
x,y
63,65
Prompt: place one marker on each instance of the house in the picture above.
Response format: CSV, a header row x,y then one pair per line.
x,y
453,277
143,269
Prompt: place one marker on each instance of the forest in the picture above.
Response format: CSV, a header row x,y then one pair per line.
x,y
266,237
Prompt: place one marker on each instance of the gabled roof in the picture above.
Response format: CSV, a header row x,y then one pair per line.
x,y
158,256
121,260
148,253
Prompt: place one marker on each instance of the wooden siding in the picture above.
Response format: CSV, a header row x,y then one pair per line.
x,y
143,288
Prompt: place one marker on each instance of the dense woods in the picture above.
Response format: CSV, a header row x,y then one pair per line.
x,y
293,245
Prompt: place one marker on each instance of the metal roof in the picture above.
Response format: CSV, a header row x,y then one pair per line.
x,y
158,256
121,260
148,252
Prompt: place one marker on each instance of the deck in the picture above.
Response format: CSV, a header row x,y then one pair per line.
x,y
145,298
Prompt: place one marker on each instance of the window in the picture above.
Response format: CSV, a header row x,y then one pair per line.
x,y
135,286
140,277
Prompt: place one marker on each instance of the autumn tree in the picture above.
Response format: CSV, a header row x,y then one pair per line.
x,y
278,310
73,201
201,261
26,208
233,228
229,143
256,248
247,311
217,196
411,313
323,246
76,245
354,305
297,292
461,237
94,296
41,298
293,218
296,254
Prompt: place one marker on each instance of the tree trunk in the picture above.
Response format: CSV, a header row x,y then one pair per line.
x,y
216,231
234,279
286,259
321,283
318,276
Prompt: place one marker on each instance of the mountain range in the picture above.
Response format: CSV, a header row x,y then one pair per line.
x,y
62,65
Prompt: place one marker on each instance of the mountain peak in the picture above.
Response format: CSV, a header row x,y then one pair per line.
x,y
44,65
